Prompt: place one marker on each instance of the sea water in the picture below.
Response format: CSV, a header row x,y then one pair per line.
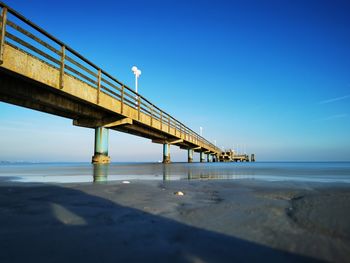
x,y
322,172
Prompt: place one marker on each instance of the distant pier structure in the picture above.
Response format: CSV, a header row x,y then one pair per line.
x,y
232,156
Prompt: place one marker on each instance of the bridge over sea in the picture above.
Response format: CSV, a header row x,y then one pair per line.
x,y
40,72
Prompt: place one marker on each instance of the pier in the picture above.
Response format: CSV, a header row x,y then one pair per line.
x,y
232,156
39,72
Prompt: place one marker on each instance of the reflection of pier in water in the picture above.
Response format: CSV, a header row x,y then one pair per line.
x,y
218,174
103,173
199,173
100,173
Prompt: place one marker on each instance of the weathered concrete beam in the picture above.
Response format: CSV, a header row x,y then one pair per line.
x,y
196,148
87,123
176,141
187,145
107,123
167,141
119,122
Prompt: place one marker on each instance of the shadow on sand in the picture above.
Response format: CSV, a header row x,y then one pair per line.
x,y
59,224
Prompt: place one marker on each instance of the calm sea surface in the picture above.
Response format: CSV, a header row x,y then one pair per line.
x,y
84,172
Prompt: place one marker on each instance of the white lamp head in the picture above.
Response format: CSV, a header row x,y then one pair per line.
x,y
136,71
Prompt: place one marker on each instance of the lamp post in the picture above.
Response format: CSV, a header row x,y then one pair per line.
x,y
201,131
137,74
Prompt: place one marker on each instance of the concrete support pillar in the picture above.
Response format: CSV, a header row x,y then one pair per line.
x,y
190,156
208,157
101,146
201,157
166,153
252,157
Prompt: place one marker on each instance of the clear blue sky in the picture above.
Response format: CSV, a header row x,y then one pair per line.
x,y
271,75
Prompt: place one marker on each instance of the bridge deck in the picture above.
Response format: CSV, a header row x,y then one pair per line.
x,y
40,72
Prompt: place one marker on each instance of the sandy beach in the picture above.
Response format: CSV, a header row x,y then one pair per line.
x,y
144,221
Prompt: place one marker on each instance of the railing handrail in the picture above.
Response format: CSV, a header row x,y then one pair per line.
x,y
77,54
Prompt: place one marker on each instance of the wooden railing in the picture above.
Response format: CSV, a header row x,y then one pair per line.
x,y
24,35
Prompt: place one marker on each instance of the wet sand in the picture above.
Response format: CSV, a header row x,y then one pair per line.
x,y
144,221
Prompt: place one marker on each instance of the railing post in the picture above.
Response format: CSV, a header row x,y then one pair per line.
x,y
98,86
138,107
161,120
2,33
168,124
122,101
63,56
